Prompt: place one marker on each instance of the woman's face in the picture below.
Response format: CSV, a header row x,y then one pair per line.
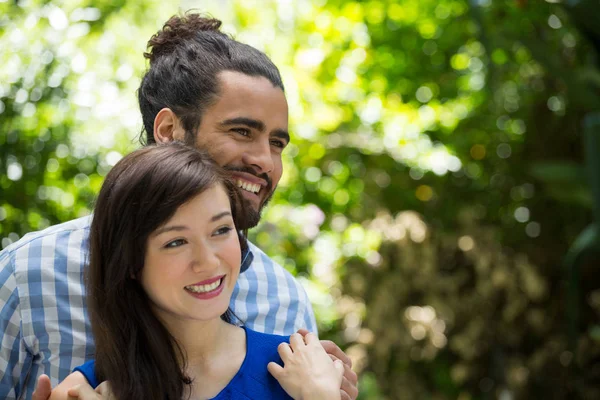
x,y
193,261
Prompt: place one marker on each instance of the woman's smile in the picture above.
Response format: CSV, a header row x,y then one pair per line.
x,y
207,289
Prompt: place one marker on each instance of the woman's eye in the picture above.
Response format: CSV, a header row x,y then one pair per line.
x,y
175,243
223,231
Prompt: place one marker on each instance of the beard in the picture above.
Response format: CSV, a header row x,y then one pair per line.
x,y
252,215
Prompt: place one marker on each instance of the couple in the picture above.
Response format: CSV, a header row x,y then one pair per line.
x,y
213,93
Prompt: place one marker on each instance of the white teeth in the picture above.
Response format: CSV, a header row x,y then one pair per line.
x,y
250,187
204,288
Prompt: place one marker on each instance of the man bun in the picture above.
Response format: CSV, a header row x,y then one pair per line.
x,y
178,29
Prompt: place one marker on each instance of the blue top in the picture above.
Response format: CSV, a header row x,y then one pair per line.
x,y
44,325
252,381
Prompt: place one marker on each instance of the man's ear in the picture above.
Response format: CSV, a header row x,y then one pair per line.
x,y
167,127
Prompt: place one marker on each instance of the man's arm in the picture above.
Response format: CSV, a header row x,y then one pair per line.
x,y
13,358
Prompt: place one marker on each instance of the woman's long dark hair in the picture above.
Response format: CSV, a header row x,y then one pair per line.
x,y
134,350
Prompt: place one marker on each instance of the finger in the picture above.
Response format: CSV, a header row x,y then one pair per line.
x,y
82,391
43,388
285,352
311,338
74,391
350,375
345,396
333,349
303,332
339,367
275,369
350,389
296,342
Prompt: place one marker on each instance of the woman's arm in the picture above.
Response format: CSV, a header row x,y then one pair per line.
x,y
308,372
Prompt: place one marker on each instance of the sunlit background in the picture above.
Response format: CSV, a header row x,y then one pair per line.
x,y
434,185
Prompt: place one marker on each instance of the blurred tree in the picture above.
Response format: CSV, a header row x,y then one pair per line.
x,y
67,104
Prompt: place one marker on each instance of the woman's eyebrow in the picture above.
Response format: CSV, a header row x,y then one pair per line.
x,y
220,215
169,228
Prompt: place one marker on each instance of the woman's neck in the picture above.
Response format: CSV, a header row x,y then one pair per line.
x,y
214,352
202,341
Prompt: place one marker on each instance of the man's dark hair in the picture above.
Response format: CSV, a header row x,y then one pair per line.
x,y
186,56
134,350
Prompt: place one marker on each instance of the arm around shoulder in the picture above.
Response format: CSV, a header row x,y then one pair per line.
x,y
305,319
10,328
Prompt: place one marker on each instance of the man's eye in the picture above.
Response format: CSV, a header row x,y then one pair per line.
x,y
278,143
223,231
242,131
175,243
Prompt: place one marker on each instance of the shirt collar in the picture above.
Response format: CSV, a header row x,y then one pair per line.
x,y
247,258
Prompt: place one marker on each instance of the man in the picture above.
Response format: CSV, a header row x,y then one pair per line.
x,y
209,91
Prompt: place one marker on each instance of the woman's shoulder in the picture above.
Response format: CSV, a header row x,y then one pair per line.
x,y
264,345
88,370
254,380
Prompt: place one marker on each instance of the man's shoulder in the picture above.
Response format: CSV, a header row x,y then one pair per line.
x,y
38,238
263,264
270,299
260,257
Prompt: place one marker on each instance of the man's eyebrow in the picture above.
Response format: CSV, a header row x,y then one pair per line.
x,y
280,133
256,124
249,122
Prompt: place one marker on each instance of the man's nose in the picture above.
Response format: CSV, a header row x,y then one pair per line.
x,y
259,156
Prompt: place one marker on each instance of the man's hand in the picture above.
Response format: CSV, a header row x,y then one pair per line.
x,y
85,392
308,373
43,390
349,387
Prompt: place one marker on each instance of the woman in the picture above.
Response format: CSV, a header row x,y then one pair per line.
x,y
164,258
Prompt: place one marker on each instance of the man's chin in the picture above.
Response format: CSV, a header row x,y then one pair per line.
x,y
252,217
253,213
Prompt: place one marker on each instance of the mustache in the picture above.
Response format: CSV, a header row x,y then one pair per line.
x,y
251,171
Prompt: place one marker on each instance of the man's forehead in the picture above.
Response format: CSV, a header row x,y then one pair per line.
x,y
247,98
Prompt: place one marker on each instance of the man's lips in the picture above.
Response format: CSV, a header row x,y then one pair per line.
x,y
250,175
250,184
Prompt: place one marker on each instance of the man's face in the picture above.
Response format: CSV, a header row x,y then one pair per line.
x,y
245,131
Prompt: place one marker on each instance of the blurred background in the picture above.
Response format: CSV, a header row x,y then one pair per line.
x,y
441,195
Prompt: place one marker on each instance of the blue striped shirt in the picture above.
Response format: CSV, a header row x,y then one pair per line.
x,y
44,326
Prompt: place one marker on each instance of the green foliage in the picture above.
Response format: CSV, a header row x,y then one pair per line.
x,y
67,104
431,191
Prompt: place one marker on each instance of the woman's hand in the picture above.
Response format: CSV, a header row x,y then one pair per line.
x,y
308,372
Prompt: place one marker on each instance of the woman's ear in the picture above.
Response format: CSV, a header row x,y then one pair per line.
x,y
167,127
